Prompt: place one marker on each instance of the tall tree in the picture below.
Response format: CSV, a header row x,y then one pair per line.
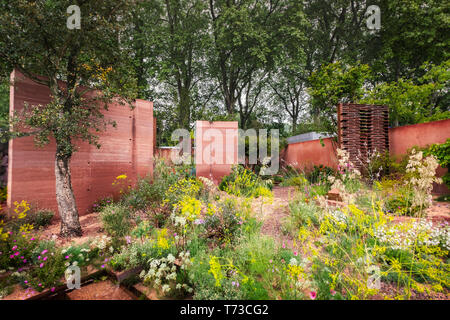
x,y
412,33
177,46
35,40
249,35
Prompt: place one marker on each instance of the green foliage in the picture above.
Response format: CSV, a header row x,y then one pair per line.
x,y
412,101
135,255
102,203
224,224
39,218
397,197
319,174
243,182
46,273
4,105
301,213
336,83
3,193
442,154
116,220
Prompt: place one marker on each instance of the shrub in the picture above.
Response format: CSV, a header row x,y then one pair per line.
x,y
50,266
319,174
116,220
224,223
38,218
243,182
442,153
301,213
3,194
100,204
297,181
135,255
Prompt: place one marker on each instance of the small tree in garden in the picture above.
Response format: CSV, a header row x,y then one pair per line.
x,y
35,39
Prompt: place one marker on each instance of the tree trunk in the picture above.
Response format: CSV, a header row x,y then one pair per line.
x,y
184,106
70,224
294,124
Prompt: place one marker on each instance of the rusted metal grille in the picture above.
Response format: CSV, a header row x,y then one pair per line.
x,y
363,129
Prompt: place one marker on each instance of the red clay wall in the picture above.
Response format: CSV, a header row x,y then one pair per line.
x,y
306,154
215,155
309,153
421,135
127,149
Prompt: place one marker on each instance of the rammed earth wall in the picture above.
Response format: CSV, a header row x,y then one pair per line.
x,y
308,153
127,149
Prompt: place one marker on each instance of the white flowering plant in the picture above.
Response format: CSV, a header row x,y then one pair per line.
x,y
169,274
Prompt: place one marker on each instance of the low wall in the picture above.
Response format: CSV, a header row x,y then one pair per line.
x,y
306,154
422,134
127,149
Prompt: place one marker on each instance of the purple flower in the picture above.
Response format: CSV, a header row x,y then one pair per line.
x,y
199,221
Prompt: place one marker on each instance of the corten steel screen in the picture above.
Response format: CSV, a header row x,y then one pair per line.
x,y
363,129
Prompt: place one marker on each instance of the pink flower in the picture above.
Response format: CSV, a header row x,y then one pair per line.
x,y
52,289
284,245
14,248
103,265
39,258
312,295
41,265
332,292
45,258
44,252
67,257
295,253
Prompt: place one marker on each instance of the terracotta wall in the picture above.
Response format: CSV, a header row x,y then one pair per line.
x,y
421,135
127,149
306,154
216,148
